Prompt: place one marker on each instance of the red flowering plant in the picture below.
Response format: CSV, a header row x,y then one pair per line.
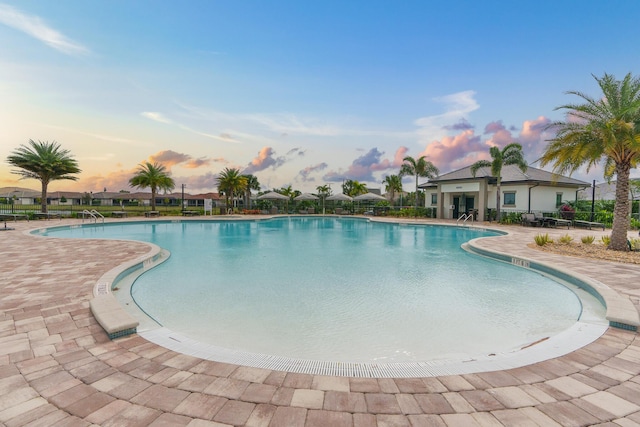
x,y
567,211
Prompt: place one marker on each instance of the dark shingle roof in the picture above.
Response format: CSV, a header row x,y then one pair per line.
x,y
510,174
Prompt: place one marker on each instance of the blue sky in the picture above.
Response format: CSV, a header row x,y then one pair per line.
x,y
300,93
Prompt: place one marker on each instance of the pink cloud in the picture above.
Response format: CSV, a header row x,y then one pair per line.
x,y
114,181
534,136
398,158
169,158
304,173
266,158
196,163
453,152
465,148
501,136
362,168
205,182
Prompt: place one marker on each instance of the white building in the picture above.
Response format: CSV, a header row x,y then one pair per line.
x,y
459,192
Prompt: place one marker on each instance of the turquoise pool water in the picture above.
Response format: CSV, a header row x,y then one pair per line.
x,y
340,289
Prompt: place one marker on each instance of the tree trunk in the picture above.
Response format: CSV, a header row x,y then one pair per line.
x,y
498,200
43,197
416,213
621,209
153,199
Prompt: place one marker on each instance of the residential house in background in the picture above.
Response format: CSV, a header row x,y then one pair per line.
x,y
607,191
25,196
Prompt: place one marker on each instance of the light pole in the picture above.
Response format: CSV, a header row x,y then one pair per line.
x,y
593,199
182,201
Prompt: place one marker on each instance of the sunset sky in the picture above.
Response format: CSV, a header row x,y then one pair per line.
x,y
300,93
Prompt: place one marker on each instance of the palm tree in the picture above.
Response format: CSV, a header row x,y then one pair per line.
x,y
44,161
353,188
393,184
511,154
603,129
323,192
420,168
154,176
252,184
231,182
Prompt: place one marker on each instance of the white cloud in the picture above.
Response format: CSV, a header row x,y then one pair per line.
x,y
457,107
156,117
38,29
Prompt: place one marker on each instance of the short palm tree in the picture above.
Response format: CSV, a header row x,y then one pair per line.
x,y
251,184
511,154
154,176
353,188
44,161
289,192
420,167
393,185
603,129
324,191
231,182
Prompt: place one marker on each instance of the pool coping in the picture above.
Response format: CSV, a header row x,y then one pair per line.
x,y
579,335
621,313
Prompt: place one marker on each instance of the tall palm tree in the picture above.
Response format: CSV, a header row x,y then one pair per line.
x,y
393,185
44,161
603,129
252,184
511,154
231,182
154,176
420,167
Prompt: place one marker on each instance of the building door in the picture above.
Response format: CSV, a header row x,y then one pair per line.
x,y
456,207
470,206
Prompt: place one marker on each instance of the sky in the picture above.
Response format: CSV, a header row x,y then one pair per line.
x,y
300,93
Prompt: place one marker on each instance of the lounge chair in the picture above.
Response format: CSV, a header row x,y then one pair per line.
x,y
530,219
588,224
555,222
15,216
47,215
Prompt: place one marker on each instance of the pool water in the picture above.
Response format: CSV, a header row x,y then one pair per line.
x,y
341,289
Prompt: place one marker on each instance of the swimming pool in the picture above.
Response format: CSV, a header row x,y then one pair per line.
x,y
343,289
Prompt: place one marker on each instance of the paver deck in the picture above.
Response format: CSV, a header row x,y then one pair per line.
x,y
58,368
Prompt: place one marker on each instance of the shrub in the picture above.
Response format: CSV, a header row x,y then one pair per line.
x,y
635,244
606,240
542,239
587,240
567,212
566,239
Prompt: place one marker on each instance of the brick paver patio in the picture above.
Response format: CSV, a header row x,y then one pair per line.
x,y
58,368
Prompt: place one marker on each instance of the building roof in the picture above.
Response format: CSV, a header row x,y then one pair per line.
x,y
19,192
510,174
103,195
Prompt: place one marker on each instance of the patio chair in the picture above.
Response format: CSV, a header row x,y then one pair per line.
x,y
530,219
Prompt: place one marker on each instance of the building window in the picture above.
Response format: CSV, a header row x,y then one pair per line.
x,y
509,199
558,200
434,198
